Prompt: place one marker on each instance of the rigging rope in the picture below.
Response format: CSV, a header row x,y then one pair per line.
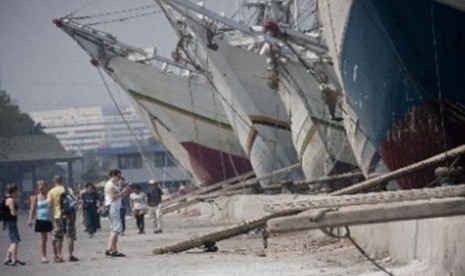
x,y
152,117
438,83
138,142
81,8
122,19
112,13
330,232
223,139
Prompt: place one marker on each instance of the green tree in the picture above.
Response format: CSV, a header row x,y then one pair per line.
x,y
12,121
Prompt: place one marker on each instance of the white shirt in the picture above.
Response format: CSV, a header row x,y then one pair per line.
x,y
108,186
138,200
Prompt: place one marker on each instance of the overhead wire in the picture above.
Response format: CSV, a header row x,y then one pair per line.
x,y
175,160
81,8
122,19
123,11
438,82
138,142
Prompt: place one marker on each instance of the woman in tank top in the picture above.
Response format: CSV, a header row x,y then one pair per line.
x,y
39,217
10,220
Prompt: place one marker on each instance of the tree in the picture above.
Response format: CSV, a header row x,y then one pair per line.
x,y
12,121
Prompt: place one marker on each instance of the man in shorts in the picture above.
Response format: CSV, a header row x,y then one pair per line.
x,y
63,225
113,196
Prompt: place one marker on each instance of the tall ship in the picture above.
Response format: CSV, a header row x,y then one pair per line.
x,y
300,69
176,102
317,135
260,119
401,66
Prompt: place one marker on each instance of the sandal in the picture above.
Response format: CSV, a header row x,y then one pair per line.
x,y
7,262
57,259
73,259
17,262
117,254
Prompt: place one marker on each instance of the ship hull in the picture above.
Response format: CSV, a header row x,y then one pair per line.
x,y
180,109
258,116
401,65
186,118
320,140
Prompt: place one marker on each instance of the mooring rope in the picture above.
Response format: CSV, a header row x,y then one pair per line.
x,y
330,233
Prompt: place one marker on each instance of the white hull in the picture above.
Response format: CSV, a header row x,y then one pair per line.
x,y
182,112
188,105
260,118
179,110
321,142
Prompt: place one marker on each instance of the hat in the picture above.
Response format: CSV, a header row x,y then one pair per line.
x,y
152,181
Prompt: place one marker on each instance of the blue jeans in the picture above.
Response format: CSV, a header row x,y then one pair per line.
x,y
115,218
13,233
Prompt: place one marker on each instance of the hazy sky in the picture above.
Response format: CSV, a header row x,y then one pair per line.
x,y
43,68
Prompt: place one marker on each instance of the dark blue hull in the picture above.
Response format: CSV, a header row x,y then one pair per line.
x,y
403,68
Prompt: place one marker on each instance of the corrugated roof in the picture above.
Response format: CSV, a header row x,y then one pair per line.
x,y
131,149
32,148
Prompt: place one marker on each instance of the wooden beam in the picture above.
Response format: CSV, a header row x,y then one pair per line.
x,y
255,181
197,199
218,235
326,179
366,214
458,151
224,189
208,189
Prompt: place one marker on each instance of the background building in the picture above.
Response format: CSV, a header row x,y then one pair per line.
x,y
137,168
81,129
104,140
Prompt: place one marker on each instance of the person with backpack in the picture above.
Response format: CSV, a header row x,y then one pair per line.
x,y
10,223
63,208
39,217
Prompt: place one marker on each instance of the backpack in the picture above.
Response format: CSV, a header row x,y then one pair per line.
x,y
67,203
4,210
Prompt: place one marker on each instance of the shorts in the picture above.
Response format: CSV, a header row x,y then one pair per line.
x,y
13,233
43,226
115,219
64,226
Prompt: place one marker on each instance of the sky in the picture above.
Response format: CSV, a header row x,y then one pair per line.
x,y
42,68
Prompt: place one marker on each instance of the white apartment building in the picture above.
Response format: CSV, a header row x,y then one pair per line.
x,y
90,128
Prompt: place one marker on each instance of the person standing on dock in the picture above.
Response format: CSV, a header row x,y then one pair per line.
x,y
64,218
154,195
90,206
139,206
113,196
10,223
125,208
39,217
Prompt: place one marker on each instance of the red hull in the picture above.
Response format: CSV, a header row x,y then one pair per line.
x,y
212,166
420,135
